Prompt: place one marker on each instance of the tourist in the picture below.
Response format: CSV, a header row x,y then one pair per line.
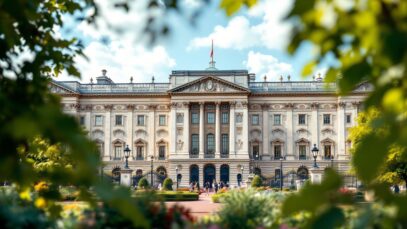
x,y
206,186
216,187
191,187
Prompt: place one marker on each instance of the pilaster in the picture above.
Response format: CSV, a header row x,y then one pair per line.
x,y
151,130
315,125
128,122
245,131
201,130
290,132
217,131
341,130
173,129
232,128
265,131
186,128
107,131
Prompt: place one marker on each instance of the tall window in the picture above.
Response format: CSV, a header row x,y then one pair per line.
x,y
348,118
140,120
119,120
327,119
225,143
82,120
327,151
277,152
225,117
117,152
210,144
211,118
302,152
277,119
161,120
98,120
161,152
301,119
256,150
194,143
255,119
139,153
194,118
180,118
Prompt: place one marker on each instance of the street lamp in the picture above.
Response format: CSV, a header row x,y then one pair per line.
x,y
151,181
176,171
281,173
126,155
315,151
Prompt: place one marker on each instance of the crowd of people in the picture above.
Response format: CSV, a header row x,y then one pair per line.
x,y
208,186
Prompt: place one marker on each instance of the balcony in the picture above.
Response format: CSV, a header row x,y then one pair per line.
x,y
161,158
193,155
209,155
139,158
224,155
116,158
302,157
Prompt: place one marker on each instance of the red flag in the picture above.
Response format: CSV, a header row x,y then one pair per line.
x,y
211,55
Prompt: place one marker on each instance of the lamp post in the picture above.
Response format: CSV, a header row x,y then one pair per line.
x,y
152,166
315,151
126,155
281,173
176,171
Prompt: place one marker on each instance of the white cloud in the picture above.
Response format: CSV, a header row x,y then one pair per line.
x,y
124,54
272,32
262,64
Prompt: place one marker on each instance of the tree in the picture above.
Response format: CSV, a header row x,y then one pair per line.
x,y
395,168
256,182
167,184
143,183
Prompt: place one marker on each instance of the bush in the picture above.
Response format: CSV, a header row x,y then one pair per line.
x,y
143,183
69,193
218,198
177,196
167,185
257,182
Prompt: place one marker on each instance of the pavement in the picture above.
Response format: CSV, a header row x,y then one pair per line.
x,y
198,208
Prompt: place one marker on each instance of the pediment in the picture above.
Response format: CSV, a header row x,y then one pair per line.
x,y
59,89
209,84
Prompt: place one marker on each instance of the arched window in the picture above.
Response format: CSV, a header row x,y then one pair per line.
x,y
193,173
328,148
118,150
141,148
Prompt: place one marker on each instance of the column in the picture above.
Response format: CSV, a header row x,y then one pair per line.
x,y
151,130
245,131
232,140
315,125
341,131
173,130
129,130
290,133
201,130
217,131
108,132
186,128
265,131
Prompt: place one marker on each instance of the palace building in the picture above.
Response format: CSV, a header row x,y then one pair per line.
x,y
215,125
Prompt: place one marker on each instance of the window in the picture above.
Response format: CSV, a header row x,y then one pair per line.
x,y
119,120
256,150
161,120
211,118
225,144
277,152
194,118
239,118
327,151
225,117
98,120
139,152
302,152
277,119
180,118
255,119
117,152
301,119
140,120
348,118
194,143
210,147
82,120
327,119
161,152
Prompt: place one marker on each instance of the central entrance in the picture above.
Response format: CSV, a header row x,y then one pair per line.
x,y
209,173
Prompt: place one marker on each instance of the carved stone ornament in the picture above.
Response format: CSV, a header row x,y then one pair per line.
x,y
265,106
210,85
342,104
180,144
130,106
239,144
232,103
152,107
289,105
314,105
108,107
174,105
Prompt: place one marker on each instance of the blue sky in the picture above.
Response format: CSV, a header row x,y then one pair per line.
x,y
253,39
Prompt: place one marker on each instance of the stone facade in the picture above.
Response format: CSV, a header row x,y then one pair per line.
x,y
215,125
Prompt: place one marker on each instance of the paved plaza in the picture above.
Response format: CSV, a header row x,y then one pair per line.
x,y
199,208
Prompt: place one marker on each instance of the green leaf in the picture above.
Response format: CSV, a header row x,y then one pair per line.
x,y
353,75
331,218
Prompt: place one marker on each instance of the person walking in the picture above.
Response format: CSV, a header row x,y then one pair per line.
x,y
216,187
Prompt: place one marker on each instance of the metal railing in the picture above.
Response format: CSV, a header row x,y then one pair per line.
x,y
296,86
224,155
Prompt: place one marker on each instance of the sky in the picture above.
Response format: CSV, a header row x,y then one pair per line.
x,y
254,40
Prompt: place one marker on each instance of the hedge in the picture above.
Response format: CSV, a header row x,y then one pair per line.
x,y
167,185
143,183
177,196
257,182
